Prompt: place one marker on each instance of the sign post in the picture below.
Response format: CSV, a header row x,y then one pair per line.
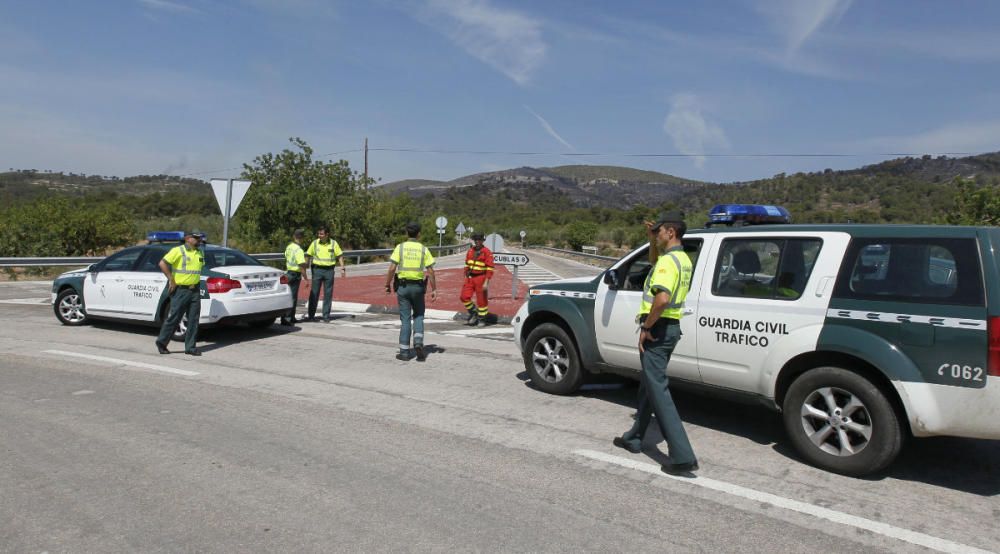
x,y
516,260
523,234
229,193
441,222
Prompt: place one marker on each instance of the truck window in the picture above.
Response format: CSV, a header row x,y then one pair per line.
x,y
774,268
635,271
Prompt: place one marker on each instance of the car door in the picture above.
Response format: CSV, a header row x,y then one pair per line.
x,y
145,286
104,286
763,300
616,308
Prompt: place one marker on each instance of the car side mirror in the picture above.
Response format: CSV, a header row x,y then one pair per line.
x,y
92,268
611,279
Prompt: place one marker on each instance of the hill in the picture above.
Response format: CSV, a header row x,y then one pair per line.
x,y
29,183
583,185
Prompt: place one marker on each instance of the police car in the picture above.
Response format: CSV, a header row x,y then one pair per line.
x,y
129,286
860,335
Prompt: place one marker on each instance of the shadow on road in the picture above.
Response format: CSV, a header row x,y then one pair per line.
x,y
208,339
966,465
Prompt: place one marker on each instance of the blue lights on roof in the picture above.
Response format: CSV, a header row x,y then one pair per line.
x,y
165,236
747,214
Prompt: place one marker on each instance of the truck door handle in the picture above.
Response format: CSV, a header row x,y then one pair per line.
x,y
687,311
821,287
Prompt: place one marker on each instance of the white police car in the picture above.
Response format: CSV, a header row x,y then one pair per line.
x,y
861,335
129,286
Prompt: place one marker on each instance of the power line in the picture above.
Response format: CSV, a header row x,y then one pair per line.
x,y
672,155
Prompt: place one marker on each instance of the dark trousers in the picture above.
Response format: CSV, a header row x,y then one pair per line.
x,y
294,280
182,301
654,396
322,275
411,305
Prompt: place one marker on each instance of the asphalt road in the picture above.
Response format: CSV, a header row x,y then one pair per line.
x,y
317,439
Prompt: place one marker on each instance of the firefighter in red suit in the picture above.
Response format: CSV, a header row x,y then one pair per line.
x,y
478,272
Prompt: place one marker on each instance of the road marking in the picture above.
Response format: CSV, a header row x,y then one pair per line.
x,y
486,331
913,537
154,367
30,301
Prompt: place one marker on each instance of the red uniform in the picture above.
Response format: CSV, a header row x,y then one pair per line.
x,y
478,270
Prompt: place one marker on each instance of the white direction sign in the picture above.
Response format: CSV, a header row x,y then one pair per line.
x,y
460,229
507,258
240,189
441,222
523,234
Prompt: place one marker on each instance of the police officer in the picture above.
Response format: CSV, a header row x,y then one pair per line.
x,y
659,331
323,254
182,266
295,263
409,263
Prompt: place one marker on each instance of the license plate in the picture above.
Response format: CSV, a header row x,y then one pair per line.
x,y
257,286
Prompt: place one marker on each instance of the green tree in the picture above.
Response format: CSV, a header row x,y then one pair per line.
x,y
580,233
975,205
290,189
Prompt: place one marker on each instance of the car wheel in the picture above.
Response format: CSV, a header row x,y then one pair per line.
x,y
69,308
261,323
840,421
552,361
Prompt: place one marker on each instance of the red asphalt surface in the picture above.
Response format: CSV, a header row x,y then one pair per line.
x,y
370,289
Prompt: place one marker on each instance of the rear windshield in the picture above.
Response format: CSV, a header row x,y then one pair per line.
x,y
214,257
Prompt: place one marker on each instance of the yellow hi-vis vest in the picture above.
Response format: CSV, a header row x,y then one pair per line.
x,y
186,265
294,257
411,259
671,274
324,255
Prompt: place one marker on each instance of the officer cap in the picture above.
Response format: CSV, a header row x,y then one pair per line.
x,y
478,236
194,233
669,217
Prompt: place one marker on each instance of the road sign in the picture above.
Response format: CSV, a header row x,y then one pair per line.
x,y
523,234
229,193
441,221
460,229
507,258
494,242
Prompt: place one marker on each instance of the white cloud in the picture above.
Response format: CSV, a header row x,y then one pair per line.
x,y
509,41
691,132
548,129
167,6
969,137
797,20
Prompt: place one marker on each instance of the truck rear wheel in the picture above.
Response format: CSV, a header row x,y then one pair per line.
x,y
842,422
552,361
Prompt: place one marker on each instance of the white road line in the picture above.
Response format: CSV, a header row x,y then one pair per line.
x,y
913,537
154,367
486,331
30,301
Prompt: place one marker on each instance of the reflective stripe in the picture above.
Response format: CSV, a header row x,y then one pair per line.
x,y
184,263
647,295
316,256
402,259
291,256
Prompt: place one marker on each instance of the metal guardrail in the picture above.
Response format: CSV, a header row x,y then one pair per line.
x,y
267,256
575,253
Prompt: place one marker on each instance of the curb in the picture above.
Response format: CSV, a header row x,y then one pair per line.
x,y
357,307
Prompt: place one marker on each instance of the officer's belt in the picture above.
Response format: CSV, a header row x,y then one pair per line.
x,y
665,320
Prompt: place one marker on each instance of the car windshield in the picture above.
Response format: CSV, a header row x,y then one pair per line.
x,y
214,257
217,257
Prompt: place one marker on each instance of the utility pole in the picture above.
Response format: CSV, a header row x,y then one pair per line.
x,y
366,162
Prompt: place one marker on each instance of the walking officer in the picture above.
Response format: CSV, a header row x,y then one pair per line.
x,y
295,262
182,266
323,254
659,317
478,272
409,263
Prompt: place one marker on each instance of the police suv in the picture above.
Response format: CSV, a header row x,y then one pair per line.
x,y
861,335
129,286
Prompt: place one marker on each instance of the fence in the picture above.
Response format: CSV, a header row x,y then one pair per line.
x,y
267,256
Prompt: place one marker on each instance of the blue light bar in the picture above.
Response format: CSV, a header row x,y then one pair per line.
x,y
165,236
747,214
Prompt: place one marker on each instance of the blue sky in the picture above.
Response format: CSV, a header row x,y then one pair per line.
x,y
124,87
